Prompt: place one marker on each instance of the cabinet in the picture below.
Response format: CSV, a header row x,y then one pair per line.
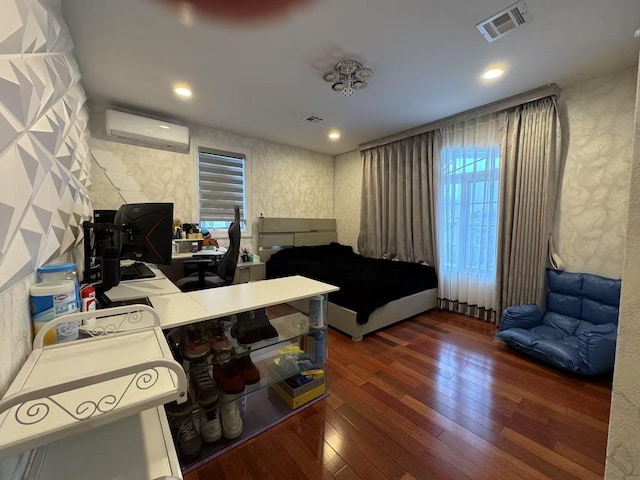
x,y
297,347
249,272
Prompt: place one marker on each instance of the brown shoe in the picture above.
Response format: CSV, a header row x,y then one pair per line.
x,y
248,370
228,377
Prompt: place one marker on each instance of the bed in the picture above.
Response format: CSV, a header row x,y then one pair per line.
x,y
373,293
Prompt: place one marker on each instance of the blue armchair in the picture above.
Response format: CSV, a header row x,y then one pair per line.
x,y
578,331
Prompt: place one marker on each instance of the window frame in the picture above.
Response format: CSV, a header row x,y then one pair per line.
x,y
466,180
231,151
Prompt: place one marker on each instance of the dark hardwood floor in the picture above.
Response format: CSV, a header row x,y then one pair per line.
x,y
433,397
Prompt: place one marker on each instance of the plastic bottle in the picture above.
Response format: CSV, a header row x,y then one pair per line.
x,y
317,312
320,346
55,272
53,299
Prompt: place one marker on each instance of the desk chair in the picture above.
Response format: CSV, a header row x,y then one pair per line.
x,y
226,266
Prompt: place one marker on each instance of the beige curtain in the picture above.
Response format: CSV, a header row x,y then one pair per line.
x,y
530,151
397,218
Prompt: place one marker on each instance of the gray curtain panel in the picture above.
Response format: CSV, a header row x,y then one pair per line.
x,y
397,218
530,151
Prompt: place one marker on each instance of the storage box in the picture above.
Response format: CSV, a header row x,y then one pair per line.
x,y
295,402
298,390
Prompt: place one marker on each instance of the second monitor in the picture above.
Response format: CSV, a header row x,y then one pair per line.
x,y
145,232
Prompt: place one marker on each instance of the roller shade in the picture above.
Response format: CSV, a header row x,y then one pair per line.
x,y
221,185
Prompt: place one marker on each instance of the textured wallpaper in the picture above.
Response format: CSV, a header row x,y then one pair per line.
x,y
44,172
348,183
285,181
623,451
591,217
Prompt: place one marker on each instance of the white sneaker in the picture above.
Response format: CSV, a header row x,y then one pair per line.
x,y
210,429
231,420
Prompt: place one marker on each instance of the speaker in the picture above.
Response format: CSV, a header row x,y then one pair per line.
x,y
110,267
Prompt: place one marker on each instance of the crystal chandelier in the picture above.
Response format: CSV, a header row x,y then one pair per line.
x,y
348,76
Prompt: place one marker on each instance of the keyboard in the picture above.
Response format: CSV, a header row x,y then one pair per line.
x,y
135,271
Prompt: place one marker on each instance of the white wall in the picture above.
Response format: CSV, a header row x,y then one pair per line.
x,y
285,181
623,450
592,211
348,188
43,167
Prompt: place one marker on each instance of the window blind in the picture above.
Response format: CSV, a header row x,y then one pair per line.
x,y
221,186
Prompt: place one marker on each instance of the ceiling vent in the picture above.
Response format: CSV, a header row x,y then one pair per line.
x,y
312,119
503,22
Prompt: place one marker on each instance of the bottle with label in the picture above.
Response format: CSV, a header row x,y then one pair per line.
x,y
53,299
317,312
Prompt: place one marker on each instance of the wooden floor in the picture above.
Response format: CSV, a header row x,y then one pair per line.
x,y
433,397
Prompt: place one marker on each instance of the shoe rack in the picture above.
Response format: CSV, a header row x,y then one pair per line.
x,y
93,396
261,404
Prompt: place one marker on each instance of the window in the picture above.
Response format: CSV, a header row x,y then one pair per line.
x,y
222,184
469,209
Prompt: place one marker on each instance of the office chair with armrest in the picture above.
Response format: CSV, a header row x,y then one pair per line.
x,y
226,266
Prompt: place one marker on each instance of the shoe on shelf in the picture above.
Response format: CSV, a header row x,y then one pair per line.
x,y
205,389
183,430
228,377
210,427
231,420
193,342
253,326
218,342
248,370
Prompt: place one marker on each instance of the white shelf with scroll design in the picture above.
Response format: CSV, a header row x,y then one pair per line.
x,y
71,387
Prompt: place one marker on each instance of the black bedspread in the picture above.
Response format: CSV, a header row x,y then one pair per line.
x,y
365,283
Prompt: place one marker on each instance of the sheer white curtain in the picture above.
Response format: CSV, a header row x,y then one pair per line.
x,y
467,216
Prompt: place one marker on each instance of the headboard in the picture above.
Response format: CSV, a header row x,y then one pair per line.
x,y
277,233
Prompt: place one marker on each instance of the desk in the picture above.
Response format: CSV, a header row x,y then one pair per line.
x,y
127,290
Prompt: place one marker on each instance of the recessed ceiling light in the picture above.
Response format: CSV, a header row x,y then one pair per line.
x,y
492,73
334,135
165,127
183,92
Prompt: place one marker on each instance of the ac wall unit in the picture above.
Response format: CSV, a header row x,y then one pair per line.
x,y
146,131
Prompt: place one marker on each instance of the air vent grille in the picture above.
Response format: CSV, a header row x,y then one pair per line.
x,y
505,21
312,119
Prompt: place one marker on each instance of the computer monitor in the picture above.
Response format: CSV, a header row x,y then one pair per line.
x,y
145,232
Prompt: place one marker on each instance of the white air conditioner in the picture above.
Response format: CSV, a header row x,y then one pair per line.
x,y
146,131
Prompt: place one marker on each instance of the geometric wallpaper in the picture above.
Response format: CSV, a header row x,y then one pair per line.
x,y
44,167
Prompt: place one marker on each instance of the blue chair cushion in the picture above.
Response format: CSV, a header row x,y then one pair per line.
x,y
578,331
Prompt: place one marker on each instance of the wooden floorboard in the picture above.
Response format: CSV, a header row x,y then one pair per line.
x,y
434,397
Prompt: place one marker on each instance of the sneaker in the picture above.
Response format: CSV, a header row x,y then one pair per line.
x,y
193,343
183,430
210,428
231,420
218,342
205,389
248,370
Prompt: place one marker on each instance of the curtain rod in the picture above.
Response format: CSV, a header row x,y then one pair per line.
x,y
530,96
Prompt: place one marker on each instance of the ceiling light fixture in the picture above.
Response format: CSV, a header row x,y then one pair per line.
x,y
348,76
183,92
492,73
334,135
165,127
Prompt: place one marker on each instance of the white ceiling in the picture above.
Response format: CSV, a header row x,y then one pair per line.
x,y
262,79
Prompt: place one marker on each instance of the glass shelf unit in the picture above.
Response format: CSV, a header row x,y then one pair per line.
x,y
266,403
